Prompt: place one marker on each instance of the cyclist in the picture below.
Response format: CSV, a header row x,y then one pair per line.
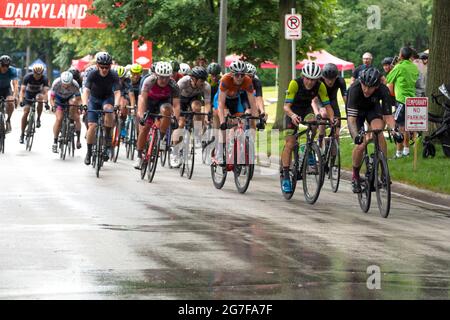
x,y
228,101
135,76
214,70
301,94
251,72
34,86
126,96
175,70
363,104
76,75
333,82
193,88
65,90
161,95
184,69
8,76
101,90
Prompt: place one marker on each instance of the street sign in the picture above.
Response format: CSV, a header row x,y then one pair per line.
x,y
293,26
142,54
416,114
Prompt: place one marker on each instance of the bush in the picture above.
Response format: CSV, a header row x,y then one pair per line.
x,y
267,77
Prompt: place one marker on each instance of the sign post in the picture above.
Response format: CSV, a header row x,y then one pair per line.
x,y
416,119
293,32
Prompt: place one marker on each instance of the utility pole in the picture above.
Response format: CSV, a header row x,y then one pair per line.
x,y
223,33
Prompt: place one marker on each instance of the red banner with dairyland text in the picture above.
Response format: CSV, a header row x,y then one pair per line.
x,y
48,14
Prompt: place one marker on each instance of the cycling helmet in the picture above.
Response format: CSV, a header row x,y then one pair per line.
x,y
387,60
311,70
238,66
38,68
5,60
370,77
103,58
175,65
74,71
136,68
184,68
120,71
66,77
214,68
251,69
330,71
163,69
199,73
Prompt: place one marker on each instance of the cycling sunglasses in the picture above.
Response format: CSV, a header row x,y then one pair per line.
x,y
104,67
239,75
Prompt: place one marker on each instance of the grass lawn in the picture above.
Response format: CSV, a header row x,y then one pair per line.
x,y
432,174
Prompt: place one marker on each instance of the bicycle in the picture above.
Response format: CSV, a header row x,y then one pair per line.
x,y
238,155
331,158
31,125
151,149
130,139
209,139
116,136
310,171
3,123
374,176
67,133
187,158
166,143
98,148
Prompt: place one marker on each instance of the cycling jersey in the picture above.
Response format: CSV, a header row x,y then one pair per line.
x,y
155,92
102,87
368,108
214,85
87,72
125,87
231,89
339,84
135,87
7,77
257,85
33,86
187,91
63,93
300,97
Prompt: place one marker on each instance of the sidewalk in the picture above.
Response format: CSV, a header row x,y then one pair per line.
x,y
416,194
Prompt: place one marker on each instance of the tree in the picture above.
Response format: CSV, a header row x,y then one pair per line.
x,y
439,55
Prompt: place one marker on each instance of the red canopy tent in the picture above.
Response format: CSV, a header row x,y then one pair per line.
x,y
322,57
80,64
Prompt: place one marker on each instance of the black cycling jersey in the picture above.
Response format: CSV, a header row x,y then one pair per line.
x,y
125,86
102,87
358,70
339,84
358,104
34,86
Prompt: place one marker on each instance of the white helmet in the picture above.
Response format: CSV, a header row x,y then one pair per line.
x,y
311,70
238,66
66,77
251,69
184,68
163,69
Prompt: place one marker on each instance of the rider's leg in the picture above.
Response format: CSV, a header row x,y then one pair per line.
x,y
9,108
75,115
26,111
41,100
59,115
109,124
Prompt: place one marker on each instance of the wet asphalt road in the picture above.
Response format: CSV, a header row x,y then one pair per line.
x,y
65,234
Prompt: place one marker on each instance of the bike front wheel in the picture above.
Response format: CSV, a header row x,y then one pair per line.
x,y
365,196
154,153
383,185
2,133
312,173
334,166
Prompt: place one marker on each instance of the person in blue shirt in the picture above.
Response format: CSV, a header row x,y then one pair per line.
x,y
9,86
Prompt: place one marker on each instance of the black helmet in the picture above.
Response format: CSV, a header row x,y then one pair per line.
x,y
214,68
75,72
387,60
423,56
330,71
199,73
370,77
175,65
104,58
152,68
5,60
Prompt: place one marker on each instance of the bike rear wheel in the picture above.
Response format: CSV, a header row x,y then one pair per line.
x,y
365,196
30,131
99,150
190,157
153,160
383,185
312,173
243,172
116,142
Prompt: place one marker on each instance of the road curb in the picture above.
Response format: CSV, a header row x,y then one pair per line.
x,y
406,190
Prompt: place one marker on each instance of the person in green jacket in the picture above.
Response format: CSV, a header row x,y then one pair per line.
x,y
402,82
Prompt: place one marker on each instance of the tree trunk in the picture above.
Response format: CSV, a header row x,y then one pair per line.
x,y
284,62
439,59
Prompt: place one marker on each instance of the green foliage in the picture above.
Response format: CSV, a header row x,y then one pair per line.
x,y
267,76
402,23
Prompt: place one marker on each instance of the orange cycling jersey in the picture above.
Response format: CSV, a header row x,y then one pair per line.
x,y
228,86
